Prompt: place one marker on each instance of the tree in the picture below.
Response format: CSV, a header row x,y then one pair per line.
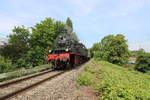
x,y
69,27
18,44
59,28
95,48
140,51
69,24
143,62
135,53
42,39
113,49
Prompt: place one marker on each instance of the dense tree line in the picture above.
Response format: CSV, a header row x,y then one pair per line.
x,y
27,47
135,53
112,48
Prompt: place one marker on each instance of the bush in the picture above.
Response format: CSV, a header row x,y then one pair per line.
x,y
5,65
86,79
23,63
143,62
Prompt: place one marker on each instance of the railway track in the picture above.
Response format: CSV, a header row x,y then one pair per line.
x,y
23,79
15,87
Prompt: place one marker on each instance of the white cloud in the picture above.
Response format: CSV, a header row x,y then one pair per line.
x,y
129,6
114,8
6,24
83,7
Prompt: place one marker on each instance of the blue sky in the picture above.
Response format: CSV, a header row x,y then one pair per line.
x,y
93,19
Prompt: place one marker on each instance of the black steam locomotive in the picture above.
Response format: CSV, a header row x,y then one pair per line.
x,y
68,53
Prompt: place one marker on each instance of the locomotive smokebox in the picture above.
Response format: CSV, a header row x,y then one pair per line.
x,y
64,59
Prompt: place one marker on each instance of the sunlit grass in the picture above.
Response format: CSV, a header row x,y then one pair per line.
x,y
115,82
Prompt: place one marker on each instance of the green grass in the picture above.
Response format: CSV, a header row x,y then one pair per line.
x,y
114,82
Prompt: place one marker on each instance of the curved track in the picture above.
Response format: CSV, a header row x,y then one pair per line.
x,y
12,88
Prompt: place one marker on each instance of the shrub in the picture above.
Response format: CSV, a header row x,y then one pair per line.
x,y
143,62
86,79
22,63
5,64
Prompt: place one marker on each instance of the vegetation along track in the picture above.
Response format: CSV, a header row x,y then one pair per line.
x,y
15,87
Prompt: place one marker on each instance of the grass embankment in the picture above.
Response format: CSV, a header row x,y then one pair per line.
x,y
114,82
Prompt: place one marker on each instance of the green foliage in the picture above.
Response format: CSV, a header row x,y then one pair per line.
x,y
143,62
90,69
136,53
69,27
94,50
42,39
18,44
86,79
5,64
45,32
28,48
119,83
69,24
113,82
36,56
89,77
112,48
59,28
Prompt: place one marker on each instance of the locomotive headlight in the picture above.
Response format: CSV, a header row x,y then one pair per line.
x,y
67,50
50,51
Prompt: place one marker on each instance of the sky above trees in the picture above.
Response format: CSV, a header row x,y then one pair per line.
x,y
92,19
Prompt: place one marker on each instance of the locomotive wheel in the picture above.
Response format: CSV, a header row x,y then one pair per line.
x,y
69,66
53,67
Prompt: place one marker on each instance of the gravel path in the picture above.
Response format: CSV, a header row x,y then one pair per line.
x,y
63,87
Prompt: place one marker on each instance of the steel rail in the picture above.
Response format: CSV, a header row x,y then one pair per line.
x,y
29,87
23,79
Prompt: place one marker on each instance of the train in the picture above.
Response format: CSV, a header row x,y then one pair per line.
x,y
68,53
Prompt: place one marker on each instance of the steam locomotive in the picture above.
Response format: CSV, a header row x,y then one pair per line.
x,y
68,53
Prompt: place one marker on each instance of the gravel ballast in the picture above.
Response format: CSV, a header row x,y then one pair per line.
x,y
64,87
